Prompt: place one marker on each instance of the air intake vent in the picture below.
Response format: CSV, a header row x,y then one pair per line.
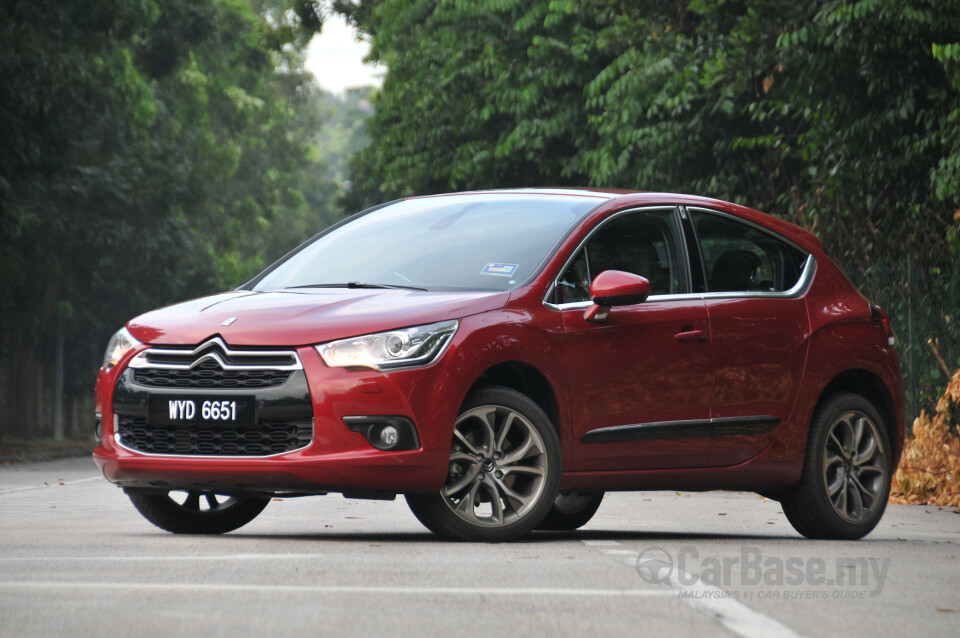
x,y
271,436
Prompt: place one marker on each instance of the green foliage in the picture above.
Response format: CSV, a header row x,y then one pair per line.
x,y
478,94
343,134
841,116
150,151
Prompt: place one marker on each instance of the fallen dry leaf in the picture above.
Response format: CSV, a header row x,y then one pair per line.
x,y
929,471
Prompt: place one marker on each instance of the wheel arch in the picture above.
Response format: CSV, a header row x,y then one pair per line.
x,y
526,379
872,388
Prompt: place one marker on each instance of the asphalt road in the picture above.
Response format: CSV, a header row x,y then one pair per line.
x,y
77,560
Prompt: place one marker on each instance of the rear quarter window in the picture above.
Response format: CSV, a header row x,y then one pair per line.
x,y
739,257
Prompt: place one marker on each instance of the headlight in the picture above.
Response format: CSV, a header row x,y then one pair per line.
x,y
119,345
405,348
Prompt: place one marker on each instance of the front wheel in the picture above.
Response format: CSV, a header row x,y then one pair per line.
x,y
846,473
503,474
197,512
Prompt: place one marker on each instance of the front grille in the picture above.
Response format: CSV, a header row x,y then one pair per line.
x,y
269,436
214,350
273,378
209,374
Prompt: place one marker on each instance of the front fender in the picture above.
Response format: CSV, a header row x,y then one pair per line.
x,y
510,335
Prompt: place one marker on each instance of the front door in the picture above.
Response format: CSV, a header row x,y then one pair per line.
x,y
639,383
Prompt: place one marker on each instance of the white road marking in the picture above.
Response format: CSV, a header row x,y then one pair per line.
x,y
97,559
707,599
83,496
55,484
343,589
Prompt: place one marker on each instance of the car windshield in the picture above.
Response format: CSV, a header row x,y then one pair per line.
x,y
474,242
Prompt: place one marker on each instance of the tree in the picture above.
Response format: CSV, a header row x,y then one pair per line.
x,y
838,115
148,148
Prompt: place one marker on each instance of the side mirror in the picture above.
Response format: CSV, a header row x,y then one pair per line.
x,y
615,288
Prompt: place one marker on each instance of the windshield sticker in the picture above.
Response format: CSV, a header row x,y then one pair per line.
x,y
500,270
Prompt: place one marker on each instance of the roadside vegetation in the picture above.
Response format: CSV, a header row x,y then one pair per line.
x,y
840,116
149,152
152,151
929,471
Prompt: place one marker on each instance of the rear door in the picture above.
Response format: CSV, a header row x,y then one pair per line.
x,y
759,329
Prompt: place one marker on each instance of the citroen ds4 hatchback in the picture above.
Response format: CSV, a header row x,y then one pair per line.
x,y
504,358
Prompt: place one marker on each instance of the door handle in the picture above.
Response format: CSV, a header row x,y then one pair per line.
x,y
691,335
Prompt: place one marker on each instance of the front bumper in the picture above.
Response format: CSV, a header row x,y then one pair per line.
x,y
336,460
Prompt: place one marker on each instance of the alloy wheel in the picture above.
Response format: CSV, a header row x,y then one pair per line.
x,y
498,466
854,466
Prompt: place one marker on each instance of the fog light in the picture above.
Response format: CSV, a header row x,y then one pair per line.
x,y
387,433
389,436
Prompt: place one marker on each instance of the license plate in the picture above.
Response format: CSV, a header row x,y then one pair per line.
x,y
198,410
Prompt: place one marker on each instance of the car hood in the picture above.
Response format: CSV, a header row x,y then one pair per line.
x,y
304,316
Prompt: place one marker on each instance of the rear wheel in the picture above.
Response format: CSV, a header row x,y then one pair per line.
x,y
571,510
846,474
197,512
503,474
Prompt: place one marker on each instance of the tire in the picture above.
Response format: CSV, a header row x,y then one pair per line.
x,y
185,514
571,510
504,471
847,470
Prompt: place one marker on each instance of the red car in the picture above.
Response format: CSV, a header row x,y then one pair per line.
x,y
504,358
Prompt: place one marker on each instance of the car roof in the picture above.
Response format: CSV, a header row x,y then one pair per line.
x,y
599,194
613,198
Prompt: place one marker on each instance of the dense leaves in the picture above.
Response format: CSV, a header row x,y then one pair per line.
x,y
150,151
154,150
840,116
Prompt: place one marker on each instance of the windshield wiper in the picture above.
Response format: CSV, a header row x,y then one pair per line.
x,y
358,284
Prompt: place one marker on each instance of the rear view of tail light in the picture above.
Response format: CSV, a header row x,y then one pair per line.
x,y
881,317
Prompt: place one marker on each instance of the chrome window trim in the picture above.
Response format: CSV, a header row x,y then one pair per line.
x,y
573,254
583,305
762,229
140,361
798,289
803,282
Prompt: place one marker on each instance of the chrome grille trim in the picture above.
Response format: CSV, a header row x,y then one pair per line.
x,y
216,350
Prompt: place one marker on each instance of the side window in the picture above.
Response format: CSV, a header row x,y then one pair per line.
x,y
574,284
740,258
646,243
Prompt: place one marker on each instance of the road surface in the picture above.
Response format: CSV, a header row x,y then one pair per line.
x,y
77,560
